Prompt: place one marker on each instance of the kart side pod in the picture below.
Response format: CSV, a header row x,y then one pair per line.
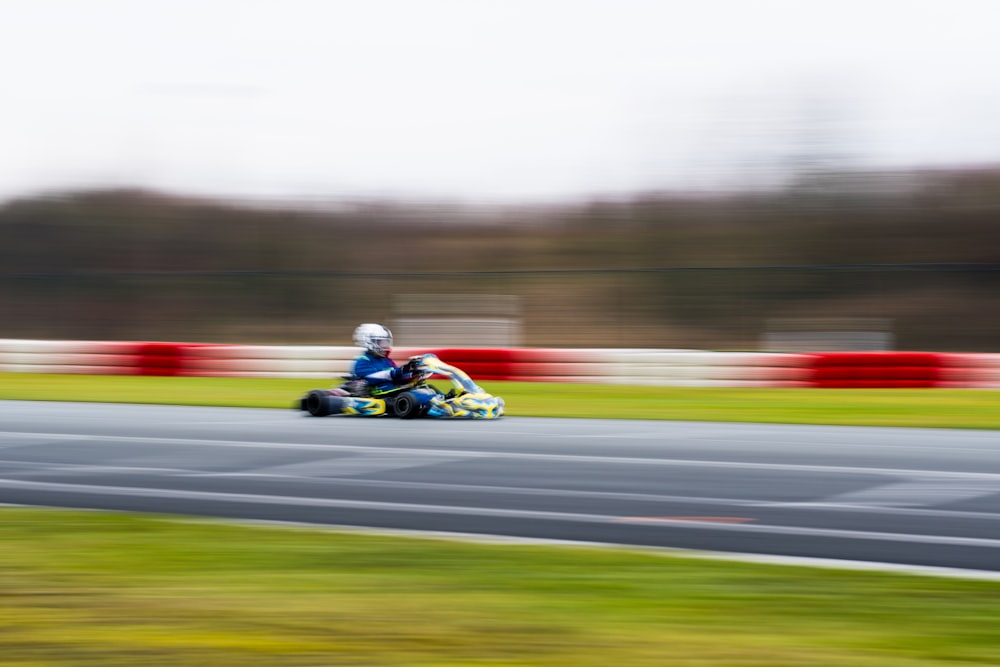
x,y
323,402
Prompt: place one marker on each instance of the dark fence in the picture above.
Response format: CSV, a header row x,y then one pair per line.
x,y
945,307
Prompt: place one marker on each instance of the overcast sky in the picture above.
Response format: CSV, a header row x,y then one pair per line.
x,y
486,100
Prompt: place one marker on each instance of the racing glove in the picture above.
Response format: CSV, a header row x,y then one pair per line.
x,y
408,372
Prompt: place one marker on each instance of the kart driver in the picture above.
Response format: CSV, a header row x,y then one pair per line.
x,y
374,367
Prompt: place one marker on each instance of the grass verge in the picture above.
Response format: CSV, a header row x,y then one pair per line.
x,y
123,590
943,408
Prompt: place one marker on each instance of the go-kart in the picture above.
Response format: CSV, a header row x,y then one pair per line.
x,y
465,400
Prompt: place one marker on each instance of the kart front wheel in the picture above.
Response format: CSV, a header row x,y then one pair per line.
x,y
407,406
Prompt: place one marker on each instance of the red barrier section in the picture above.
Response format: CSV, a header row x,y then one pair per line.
x,y
158,359
523,364
478,369
480,363
453,355
878,359
877,369
876,373
165,359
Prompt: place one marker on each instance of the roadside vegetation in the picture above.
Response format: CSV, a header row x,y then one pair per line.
x,y
122,590
914,254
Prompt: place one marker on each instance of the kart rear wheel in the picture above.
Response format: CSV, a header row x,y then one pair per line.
x,y
407,406
317,403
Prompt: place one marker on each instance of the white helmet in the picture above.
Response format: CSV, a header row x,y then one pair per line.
x,y
375,338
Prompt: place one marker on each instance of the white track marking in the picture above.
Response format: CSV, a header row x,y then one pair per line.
x,y
73,468
668,552
530,456
89,468
244,498
343,466
916,493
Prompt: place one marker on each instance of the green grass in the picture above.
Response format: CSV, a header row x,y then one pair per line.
x,y
121,590
945,408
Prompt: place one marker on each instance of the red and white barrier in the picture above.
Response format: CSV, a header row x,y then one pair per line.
x,y
273,361
67,356
678,368
971,370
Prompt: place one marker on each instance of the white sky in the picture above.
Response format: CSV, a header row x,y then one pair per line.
x,y
485,100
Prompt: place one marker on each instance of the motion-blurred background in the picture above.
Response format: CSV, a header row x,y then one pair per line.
x,y
720,175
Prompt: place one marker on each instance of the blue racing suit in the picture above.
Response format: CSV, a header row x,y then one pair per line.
x,y
381,373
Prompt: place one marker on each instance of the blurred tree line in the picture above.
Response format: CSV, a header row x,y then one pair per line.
x,y
921,250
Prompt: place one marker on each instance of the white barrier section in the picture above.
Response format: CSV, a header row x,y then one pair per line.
x,y
269,361
699,368
67,357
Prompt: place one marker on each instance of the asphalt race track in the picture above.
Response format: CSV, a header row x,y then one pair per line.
x,y
926,497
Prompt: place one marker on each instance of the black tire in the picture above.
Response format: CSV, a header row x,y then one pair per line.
x,y
317,402
407,406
